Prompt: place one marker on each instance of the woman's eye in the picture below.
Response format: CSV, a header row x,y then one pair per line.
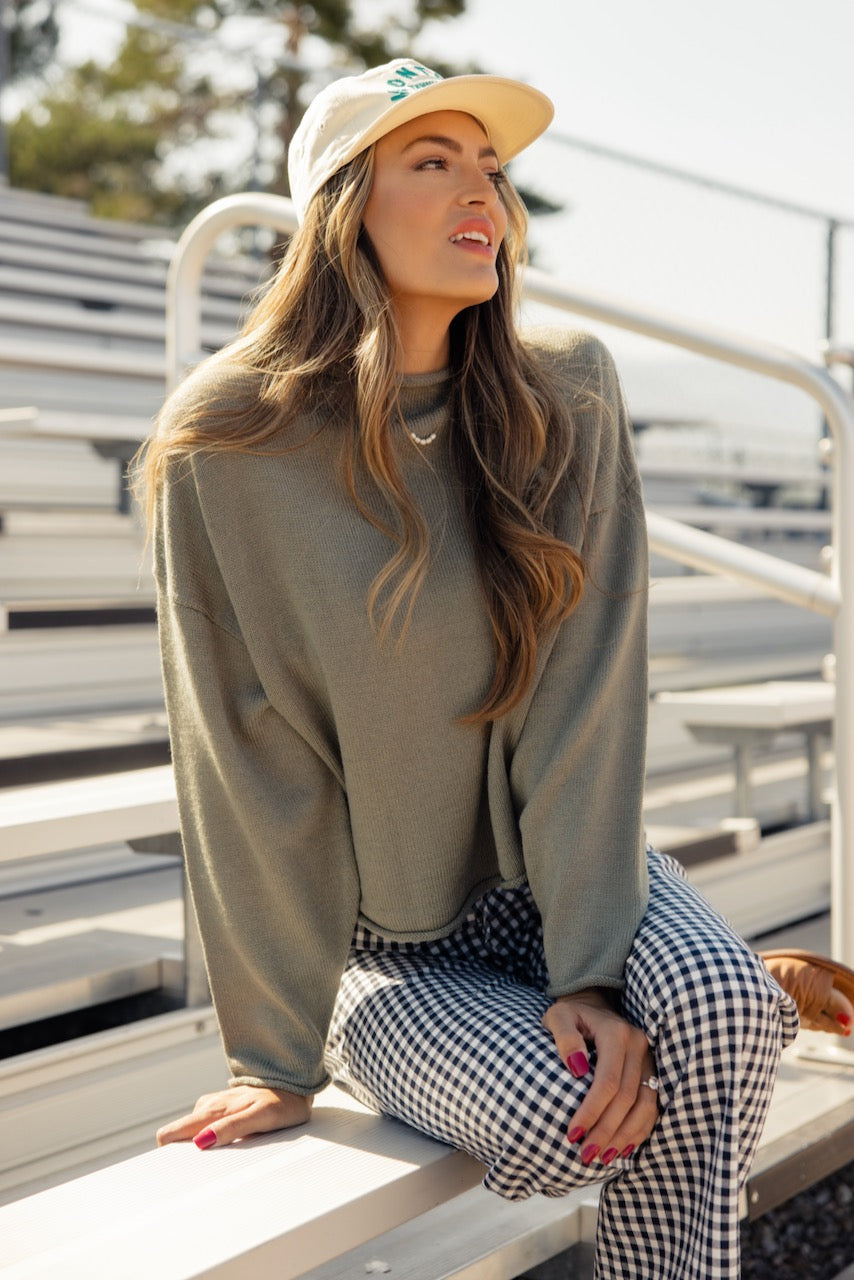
x,y
434,162
497,177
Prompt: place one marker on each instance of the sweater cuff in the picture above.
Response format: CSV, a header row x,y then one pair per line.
x,y
288,1086
554,990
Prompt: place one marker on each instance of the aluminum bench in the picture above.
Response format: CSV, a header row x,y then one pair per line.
x,y
752,715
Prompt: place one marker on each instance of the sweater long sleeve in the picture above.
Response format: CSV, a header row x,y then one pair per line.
x,y
324,776
577,769
265,830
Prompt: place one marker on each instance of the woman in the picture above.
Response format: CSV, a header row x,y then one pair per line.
x,y
402,573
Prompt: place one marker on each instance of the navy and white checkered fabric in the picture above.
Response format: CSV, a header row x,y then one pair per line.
x,y
447,1036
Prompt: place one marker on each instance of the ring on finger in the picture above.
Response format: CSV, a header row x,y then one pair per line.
x,y
653,1083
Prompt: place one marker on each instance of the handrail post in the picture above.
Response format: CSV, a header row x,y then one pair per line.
x,y
841,457
184,277
842,809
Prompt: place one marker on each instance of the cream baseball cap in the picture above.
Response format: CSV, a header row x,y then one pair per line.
x,y
351,113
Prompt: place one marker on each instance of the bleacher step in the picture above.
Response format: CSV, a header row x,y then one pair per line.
x,y
693,843
60,976
83,1105
787,878
85,670
478,1229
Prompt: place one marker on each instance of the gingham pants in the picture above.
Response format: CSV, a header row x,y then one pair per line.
x,y
446,1035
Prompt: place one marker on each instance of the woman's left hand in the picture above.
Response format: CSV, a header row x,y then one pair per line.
x,y
619,1112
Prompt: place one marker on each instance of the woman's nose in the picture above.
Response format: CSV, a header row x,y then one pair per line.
x,y
480,189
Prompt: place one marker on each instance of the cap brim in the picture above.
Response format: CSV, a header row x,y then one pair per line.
x,y
512,113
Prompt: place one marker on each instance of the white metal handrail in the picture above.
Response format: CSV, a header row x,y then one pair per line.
x,y
832,595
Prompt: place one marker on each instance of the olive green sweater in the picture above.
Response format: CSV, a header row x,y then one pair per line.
x,y
323,776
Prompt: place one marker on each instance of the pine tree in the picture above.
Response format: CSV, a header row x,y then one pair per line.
x,y
128,137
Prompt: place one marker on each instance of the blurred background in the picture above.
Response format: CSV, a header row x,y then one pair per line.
x,y
700,159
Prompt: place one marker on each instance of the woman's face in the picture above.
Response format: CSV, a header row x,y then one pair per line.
x,y
434,215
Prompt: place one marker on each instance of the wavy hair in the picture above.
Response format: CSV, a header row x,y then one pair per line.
x,y
324,337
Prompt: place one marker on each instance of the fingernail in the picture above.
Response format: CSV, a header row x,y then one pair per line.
x,y
578,1064
628,1151
205,1139
589,1153
609,1155
576,1134
843,1019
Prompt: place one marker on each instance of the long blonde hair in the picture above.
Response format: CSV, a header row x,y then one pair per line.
x,y
324,334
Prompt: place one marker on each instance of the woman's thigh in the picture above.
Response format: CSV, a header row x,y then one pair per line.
x,y
457,1050
443,1037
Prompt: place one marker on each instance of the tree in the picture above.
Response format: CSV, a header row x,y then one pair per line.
x,y
281,75
32,33
101,134
127,137
177,120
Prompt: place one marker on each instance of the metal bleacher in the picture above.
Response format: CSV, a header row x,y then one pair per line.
x,y
82,328
82,343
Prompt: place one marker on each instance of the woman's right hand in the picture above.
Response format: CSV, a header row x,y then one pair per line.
x,y
620,1110
220,1118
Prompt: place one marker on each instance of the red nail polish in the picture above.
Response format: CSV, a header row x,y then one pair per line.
x,y
589,1153
843,1019
205,1139
609,1155
624,1155
578,1064
576,1133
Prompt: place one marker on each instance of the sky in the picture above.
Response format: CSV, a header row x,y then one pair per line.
x,y
754,93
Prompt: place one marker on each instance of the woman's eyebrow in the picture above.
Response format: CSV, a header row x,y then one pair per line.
x,y
438,139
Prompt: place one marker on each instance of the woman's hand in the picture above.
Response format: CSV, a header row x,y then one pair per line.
x,y
219,1118
619,1112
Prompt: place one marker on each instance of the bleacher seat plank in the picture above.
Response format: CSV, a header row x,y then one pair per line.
x,y
125,326
59,976
736,473
26,281
37,206
95,237
82,359
755,519
67,669
46,554
29,421
775,705
313,1201
67,475
98,257
87,811
744,717
271,1207
134,268
787,878
82,237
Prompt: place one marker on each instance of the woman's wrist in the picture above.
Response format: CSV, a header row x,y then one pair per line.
x,y
602,997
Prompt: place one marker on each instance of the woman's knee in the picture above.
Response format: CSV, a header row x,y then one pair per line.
x,y
534,1155
716,998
